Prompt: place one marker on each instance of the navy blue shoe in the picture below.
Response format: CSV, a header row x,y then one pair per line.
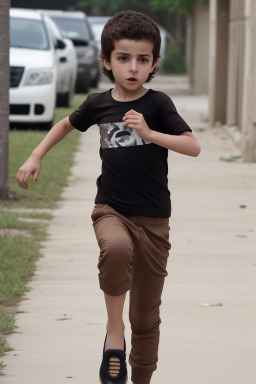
x,y
113,368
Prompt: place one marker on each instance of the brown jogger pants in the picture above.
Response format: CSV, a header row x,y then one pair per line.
x,y
133,256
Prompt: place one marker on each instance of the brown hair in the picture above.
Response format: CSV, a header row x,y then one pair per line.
x,y
129,25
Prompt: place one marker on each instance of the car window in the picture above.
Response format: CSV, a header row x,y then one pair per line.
x,y
97,30
27,33
73,28
55,30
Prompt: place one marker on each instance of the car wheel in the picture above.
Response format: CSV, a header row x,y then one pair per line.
x,y
64,99
83,86
95,81
44,126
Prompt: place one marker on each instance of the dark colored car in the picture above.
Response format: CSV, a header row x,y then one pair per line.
x,y
76,27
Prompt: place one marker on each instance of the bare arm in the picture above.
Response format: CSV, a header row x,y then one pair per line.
x,y
33,164
186,143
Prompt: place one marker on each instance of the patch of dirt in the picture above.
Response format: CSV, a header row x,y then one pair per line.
x,y
15,232
10,310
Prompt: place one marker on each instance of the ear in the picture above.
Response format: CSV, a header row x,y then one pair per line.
x,y
105,62
154,64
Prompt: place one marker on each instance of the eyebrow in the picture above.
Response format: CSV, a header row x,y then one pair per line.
x,y
128,54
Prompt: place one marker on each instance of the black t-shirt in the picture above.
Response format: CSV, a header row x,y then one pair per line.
x,y
134,172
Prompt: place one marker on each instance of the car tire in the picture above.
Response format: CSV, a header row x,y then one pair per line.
x,y
95,81
64,99
44,126
83,86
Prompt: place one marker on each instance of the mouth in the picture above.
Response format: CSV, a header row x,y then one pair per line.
x,y
132,80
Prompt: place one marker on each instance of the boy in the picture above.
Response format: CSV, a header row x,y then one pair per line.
x,y
137,127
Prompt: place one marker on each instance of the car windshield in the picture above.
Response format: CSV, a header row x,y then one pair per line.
x,y
27,33
97,30
74,29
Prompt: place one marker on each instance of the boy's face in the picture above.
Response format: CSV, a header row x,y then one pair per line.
x,y
131,62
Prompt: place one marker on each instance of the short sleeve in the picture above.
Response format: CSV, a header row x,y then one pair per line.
x,y
83,117
171,122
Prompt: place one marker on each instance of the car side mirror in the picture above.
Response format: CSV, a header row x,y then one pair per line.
x,y
80,42
60,44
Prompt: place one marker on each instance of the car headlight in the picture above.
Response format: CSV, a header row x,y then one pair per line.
x,y
39,76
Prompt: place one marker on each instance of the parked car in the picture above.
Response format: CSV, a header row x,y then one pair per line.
x,y
67,65
33,69
97,25
76,27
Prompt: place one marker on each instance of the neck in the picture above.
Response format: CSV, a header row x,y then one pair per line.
x,y
124,95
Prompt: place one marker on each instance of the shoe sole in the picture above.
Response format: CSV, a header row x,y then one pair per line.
x,y
124,382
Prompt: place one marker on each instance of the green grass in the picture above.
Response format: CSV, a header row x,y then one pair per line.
x,y
36,215
21,237
18,256
230,159
55,165
2,365
55,168
7,323
14,220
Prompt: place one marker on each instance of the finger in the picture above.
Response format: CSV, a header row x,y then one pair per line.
x,y
131,112
131,121
22,182
36,175
132,117
18,175
27,176
25,186
22,185
126,117
132,126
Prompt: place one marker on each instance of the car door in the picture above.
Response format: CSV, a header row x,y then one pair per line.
x,y
67,64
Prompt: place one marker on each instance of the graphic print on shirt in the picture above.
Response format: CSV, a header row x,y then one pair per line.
x,y
114,135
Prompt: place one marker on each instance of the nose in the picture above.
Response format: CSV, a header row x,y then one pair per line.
x,y
133,65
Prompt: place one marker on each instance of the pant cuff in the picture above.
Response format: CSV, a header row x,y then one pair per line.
x,y
115,289
141,377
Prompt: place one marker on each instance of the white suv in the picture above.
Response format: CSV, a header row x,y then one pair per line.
x,y
33,68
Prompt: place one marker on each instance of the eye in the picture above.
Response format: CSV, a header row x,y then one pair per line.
x,y
144,60
122,58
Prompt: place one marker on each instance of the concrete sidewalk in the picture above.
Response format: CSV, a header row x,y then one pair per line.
x,y
208,331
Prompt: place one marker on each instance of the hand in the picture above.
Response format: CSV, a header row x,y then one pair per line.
x,y
135,120
31,167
